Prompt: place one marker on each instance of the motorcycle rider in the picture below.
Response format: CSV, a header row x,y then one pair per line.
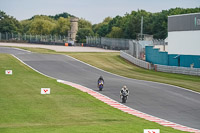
x,y
100,79
124,88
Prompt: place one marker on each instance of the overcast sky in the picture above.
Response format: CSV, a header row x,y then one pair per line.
x,y
91,10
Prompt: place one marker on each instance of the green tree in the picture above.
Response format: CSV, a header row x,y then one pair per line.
x,y
82,33
26,25
41,26
115,33
9,24
82,23
58,24
107,20
102,29
160,25
63,26
115,22
154,23
64,15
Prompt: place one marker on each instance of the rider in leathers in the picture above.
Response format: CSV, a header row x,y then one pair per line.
x,y
124,88
100,79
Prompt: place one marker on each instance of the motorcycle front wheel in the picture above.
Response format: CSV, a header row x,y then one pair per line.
x,y
123,99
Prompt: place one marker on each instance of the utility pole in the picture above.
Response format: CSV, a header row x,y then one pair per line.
x,y
141,32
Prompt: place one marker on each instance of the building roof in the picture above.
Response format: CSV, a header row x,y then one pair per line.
x,y
184,14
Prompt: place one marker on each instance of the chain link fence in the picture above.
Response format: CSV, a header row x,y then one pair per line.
x,y
40,39
108,43
159,42
133,47
136,49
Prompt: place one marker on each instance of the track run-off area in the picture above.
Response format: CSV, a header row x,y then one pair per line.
x,y
161,103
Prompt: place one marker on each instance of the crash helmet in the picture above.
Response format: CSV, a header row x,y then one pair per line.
x,y
125,88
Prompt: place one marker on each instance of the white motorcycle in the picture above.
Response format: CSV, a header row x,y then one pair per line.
x,y
124,96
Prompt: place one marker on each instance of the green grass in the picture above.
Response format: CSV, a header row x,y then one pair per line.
x,y
112,62
24,110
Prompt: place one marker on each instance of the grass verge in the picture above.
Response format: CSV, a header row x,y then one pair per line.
x,y
66,109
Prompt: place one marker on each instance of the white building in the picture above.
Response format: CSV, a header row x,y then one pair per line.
x,y
184,34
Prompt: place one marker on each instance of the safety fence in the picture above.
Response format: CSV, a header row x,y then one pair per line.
x,y
179,70
135,61
108,43
136,49
40,39
159,42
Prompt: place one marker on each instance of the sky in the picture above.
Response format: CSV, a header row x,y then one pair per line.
x,y
92,10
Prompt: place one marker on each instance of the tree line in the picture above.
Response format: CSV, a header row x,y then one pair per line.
x,y
127,26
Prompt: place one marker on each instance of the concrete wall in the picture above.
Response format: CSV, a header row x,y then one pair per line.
x,y
172,61
153,55
187,60
163,58
135,61
180,70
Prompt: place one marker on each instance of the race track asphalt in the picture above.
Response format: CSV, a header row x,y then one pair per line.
x,y
164,101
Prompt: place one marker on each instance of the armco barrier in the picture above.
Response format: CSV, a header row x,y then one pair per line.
x,y
180,70
135,61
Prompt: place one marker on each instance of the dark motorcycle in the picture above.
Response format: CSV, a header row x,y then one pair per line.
x,y
124,96
100,85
